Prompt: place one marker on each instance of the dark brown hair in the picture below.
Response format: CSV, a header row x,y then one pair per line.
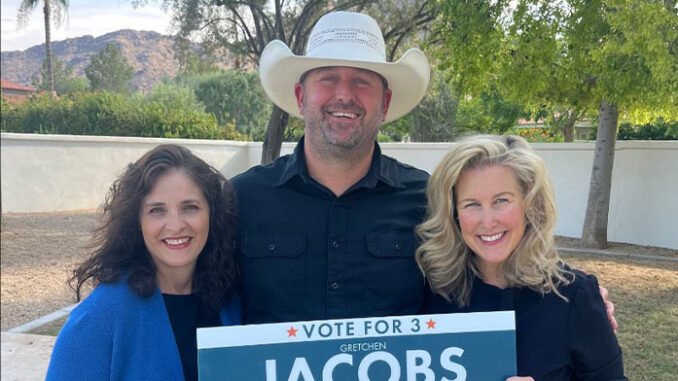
x,y
117,247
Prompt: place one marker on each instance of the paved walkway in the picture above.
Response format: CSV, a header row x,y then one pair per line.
x,y
25,357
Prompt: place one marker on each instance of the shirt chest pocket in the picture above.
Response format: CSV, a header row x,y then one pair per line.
x,y
273,269
395,284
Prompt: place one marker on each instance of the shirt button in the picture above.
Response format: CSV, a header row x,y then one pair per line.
x,y
335,244
271,247
397,246
334,285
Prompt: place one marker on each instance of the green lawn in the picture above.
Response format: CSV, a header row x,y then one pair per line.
x,y
645,295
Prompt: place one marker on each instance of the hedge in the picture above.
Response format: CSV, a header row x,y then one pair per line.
x,y
169,112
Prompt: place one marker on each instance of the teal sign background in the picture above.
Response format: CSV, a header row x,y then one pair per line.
x,y
480,355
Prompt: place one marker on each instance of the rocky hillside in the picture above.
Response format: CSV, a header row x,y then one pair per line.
x,y
151,55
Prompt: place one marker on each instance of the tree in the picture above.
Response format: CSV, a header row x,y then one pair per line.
x,y
109,70
433,120
233,96
245,27
64,80
634,66
512,50
53,10
191,62
236,96
610,55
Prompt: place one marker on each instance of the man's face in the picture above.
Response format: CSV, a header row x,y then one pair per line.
x,y
343,108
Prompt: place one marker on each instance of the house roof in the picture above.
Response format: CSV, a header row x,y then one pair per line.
x,y
14,86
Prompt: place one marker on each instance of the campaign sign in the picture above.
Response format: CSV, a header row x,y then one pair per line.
x,y
471,346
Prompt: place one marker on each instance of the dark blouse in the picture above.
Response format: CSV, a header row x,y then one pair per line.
x,y
556,340
186,315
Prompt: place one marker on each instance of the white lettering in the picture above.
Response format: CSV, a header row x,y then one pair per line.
x,y
271,374
423,367
300,368
332,363
373,357
447,364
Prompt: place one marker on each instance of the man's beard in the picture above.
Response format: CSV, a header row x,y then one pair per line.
x,y
327,143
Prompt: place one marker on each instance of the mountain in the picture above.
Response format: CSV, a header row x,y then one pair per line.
x,y
151,54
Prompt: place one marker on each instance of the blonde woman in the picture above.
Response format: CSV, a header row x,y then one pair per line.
x,y
488,244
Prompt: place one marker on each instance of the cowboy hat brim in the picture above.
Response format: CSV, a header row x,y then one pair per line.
x,y
280,70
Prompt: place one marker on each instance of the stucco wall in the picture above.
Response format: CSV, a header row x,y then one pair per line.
x,y
45,173
42,173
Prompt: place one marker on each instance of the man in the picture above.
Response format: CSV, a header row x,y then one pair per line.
x,y
328,232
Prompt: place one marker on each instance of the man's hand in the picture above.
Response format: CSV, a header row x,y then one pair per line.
x,y
609,306
516,378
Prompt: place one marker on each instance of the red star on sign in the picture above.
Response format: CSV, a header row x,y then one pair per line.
x,y
292,332
431,324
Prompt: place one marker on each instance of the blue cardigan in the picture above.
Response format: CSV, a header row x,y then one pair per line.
x,y
116,335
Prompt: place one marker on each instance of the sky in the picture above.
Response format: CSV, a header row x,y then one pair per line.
x,y
85,17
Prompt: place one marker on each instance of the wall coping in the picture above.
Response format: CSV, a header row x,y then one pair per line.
x,y
621,144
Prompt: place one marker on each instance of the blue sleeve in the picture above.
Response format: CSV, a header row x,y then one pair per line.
x,y
83,349
593,346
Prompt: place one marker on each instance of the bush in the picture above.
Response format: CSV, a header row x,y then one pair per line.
x,y
169,112
39,114
659,130
537,134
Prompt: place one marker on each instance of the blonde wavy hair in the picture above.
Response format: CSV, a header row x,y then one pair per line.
x,y
445,259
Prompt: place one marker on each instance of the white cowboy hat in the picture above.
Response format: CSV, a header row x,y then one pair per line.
x,y
344,39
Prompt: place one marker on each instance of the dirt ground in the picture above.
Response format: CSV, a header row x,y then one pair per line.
x,y
39,250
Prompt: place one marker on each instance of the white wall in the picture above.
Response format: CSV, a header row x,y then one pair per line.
x,y
44,173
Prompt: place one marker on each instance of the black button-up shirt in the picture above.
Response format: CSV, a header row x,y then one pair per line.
x,y
306,254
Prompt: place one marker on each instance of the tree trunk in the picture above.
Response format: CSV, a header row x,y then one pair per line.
x,y
48,47
274,135
594,233
568,128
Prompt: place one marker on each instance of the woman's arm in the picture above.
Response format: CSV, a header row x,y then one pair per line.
x,y
83,349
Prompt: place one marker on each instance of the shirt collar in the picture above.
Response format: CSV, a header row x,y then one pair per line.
x,y
380,170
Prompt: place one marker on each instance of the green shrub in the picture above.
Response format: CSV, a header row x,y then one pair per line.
x,y
659,130
537,134
168,111
39,114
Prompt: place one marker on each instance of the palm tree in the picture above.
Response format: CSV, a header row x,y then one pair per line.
x,y
53,9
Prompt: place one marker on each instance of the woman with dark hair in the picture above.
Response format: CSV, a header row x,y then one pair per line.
x,y
488,245
162,263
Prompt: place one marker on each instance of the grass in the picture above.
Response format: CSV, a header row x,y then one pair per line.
x,y
645,294
51,328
